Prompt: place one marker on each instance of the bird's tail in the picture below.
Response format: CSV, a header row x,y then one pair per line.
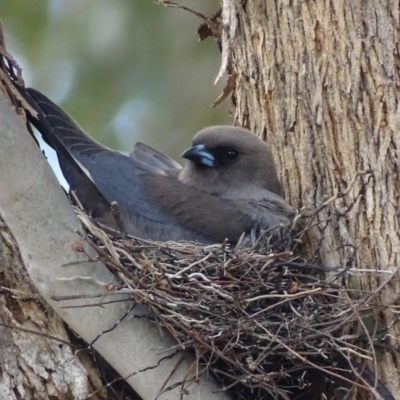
x,y
61,133
58,129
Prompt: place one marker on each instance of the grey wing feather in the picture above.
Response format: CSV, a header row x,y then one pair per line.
x,y
154,158
273,210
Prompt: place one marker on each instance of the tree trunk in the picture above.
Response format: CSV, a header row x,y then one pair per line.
x,y
34,365
318,80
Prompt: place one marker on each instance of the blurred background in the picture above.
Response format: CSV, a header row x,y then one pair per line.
x,y
126,70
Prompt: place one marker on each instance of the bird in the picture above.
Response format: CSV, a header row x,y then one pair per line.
x,y
228,186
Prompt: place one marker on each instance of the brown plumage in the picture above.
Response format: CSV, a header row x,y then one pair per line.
x,y
252,169
228,186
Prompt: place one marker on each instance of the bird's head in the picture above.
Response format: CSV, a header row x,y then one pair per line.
x,y
226,158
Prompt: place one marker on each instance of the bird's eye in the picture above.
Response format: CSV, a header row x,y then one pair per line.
x,y
231,154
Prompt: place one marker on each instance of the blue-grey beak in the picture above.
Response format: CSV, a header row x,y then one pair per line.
x,y
200,156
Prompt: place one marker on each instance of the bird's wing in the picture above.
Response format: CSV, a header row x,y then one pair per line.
x,y
89,195
268,210
273,211
152,157
277,205
152,203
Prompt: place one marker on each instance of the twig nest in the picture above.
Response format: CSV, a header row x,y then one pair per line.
x,y
267,322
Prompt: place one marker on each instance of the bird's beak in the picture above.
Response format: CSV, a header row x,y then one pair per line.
x,y
200,156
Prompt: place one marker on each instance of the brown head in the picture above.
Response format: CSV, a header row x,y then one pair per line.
x,y
226,158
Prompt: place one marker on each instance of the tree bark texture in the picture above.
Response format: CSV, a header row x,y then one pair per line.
x,y
32,364
318,80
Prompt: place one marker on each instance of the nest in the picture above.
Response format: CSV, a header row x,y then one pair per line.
x,y
268,323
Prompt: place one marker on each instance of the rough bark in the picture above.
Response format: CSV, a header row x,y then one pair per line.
x,y
34,365
318,80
